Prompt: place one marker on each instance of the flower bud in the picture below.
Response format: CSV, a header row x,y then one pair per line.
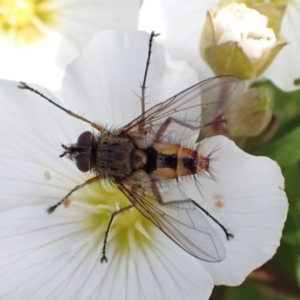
x,y
242,39
250,114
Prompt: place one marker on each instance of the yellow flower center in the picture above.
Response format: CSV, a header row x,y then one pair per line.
x,y
24,21
18,12
128,228
282,1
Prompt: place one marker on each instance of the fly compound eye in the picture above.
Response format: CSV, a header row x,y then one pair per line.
x,y
83,162
85,139
82,150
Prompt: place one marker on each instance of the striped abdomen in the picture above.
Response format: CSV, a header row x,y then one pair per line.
x,y
169,161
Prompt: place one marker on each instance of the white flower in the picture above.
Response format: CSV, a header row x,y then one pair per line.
x,y
39,37
57,256
184,22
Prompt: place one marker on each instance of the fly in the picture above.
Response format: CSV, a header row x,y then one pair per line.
x,y
145,162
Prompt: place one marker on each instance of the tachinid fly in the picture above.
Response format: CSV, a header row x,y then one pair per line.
x,y
146,158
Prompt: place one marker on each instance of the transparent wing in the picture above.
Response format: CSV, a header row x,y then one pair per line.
x,y
180,220
196,106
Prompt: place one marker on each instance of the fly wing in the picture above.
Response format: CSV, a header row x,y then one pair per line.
x,y
196,106
180,220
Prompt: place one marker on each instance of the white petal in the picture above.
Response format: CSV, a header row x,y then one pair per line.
x,y
177,273
79,21
248,199
286,67
40,256
150,17
184,22
43,257
35,63
105,80
31,133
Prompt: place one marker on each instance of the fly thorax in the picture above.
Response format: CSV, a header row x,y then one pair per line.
x,y
117,157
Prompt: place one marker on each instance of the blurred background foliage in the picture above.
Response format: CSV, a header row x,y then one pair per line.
x,y
278,279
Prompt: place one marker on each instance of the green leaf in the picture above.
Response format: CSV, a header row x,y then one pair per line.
x,y
286,150
284,104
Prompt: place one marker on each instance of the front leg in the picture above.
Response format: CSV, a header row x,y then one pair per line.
x,y
52,208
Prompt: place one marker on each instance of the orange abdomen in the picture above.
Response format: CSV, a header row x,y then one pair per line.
x,y
170,161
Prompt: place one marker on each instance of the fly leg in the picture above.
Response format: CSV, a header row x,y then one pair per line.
x,y
104,258
227,233
169,120
143,87
51,209
24,86
158,197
